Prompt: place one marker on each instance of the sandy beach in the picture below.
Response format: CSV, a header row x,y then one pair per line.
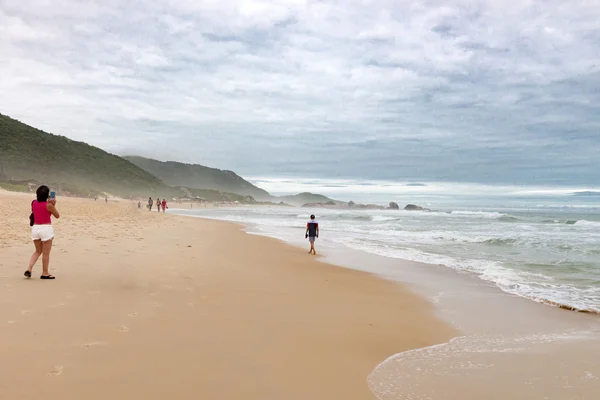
x,y
155,306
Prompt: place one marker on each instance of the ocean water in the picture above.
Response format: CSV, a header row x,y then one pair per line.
x,y
540,244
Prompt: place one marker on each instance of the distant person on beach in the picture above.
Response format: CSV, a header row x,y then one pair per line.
x,y
139,204
158,204
42,233
150,203
164,205
312,232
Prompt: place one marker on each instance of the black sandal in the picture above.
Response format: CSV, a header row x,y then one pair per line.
x,y
27,274
47,277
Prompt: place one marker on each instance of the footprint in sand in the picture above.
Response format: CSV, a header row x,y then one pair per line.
x,y
123,329
56,305
133,314
87,346
56,371
155,304
191,305
25,312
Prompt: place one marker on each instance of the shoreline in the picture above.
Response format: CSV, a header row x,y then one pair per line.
x,y
150,305
287,234
491,320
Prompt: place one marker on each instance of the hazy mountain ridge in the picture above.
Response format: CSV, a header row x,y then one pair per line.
x,y
30,156
197,176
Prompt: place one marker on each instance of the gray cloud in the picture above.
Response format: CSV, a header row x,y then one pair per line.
x,y
483,91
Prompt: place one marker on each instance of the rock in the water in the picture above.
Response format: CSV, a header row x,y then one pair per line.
x,y
394,206
413,207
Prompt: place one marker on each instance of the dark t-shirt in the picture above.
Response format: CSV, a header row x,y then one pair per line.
x,y
312,228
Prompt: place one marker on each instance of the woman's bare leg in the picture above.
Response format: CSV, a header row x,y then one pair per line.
x,y
36,254
46,248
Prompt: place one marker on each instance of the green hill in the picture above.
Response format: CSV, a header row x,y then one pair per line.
x,y
306,198
29,154
199,177
215,195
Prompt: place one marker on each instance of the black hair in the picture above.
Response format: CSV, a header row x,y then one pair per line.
x,y
42,193
312,216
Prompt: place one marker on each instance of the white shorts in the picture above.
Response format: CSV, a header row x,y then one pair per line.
x,y
42,232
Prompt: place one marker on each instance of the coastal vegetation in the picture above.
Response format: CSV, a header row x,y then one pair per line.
x,y
30,157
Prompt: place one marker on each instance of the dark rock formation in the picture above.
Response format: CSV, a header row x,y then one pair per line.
x,y
412,207
394,206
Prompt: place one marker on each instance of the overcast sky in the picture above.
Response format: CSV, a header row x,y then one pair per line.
x,y
490,91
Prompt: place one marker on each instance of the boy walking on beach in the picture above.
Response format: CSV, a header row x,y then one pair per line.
x,y
312,232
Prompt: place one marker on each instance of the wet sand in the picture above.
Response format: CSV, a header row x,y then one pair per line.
x,y
156,306
510,347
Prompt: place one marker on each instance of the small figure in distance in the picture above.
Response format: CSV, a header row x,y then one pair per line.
x,y
164,205
312,232
42,233
158,204
150,203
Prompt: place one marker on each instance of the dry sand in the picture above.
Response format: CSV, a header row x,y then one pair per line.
x,y
149,306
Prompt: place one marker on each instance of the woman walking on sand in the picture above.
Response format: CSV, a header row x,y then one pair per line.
x,y
158,204
164,205
42,232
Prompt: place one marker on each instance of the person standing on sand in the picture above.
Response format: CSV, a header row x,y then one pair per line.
x,y
312,232
158,204
42,233
164,205
150,203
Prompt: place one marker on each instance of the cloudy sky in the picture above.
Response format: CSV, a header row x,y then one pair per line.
x,y
489,91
